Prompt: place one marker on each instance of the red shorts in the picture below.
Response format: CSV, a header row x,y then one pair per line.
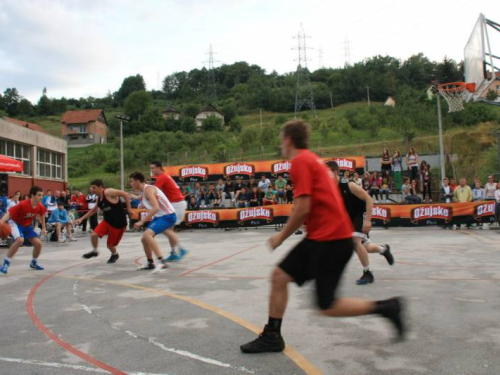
x,y
114,234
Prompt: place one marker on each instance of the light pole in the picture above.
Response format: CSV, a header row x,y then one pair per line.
x,y
368,94
122,118
441,147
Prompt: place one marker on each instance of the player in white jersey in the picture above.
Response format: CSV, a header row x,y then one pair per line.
x,y
162,215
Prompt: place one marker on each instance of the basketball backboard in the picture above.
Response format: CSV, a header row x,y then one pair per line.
x,y
479,67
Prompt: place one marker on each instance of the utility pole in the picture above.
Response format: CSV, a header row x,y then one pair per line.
x,y
303,81
122,118
368,94
260,115
211,86
331,98
441,146
347,51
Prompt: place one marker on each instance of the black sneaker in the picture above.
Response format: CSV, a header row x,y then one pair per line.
x,y
393,310
90,254
367,278
298,231
388,255
147,266
113,258
266,342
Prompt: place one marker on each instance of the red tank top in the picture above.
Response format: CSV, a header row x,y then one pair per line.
x,y
168,186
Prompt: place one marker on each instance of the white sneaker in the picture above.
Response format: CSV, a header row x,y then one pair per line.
x,y
72,239
160,267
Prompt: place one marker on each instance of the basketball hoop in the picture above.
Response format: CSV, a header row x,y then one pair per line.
x,y
455,94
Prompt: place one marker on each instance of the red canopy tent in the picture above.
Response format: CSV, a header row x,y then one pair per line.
x,y
10,165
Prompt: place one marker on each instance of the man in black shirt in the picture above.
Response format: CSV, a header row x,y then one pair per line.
x,y
359,207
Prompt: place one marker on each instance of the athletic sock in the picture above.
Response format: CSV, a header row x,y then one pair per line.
x,y
274,325
8,260
160,259
34,260
173,250
150,260
366,269
382,249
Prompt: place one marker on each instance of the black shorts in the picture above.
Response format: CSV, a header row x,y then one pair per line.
x,y
322,261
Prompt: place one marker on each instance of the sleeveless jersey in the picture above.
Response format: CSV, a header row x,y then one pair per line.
x,y
114,213
166,207
353,204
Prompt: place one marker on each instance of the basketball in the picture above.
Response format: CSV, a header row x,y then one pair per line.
x,y
5,231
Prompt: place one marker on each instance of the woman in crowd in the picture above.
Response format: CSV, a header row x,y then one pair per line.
x,y
426,183
421,169
386,162
413,197
356,179
366,181
375,185
412,163
385,187
397,167
489,188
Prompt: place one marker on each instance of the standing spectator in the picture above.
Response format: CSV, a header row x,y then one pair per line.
x,y
478,192
64,198
254,196
289,193
385,187
426,183
412,163
375,185
421,174
46,198
497,205
453,184
446,192
92,201
59,218
280,189
82,208
186,191
366,181
489,188
386,162
397,166
356,179
52,202
264,184
269,196
463,192
243,198
413,197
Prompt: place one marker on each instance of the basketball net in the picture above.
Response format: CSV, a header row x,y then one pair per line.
x,y
455,94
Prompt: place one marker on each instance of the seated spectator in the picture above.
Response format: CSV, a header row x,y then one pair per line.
x,y
478,192
186,191
375,185
254,196
243,199
64,198
356,179
83,208
385,188
251,183
446,192
412,197
264,184
289,193
73,201
280,189
193,204
210,195
463,192
59,218
238,186
220,188
453,184
14,200
269,196
366,182
218,202
489,188
46,198
347,176
229,190
201,195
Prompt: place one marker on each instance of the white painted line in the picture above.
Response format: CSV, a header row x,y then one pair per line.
x,y
150,340
64,365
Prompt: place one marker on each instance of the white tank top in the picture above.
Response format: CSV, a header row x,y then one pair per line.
x,y
166,207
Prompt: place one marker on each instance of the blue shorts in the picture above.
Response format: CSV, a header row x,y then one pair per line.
x,y
20,231
162,223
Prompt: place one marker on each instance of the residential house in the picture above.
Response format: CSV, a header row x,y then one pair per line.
x,y
85,127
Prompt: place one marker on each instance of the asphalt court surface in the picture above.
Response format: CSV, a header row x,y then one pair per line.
x,y
82,316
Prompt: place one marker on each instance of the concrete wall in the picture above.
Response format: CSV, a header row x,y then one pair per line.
x,y
97,129
23,184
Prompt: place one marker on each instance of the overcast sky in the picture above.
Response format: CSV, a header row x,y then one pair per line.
x,y
84,48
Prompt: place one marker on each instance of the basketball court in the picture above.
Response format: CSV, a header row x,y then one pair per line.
x,y
86,316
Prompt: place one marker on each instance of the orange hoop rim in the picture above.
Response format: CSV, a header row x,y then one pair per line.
x,y
452,87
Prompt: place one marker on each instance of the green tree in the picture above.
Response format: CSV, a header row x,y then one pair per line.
x,y
191,110
112,166
229,111
491,95
137,103
25,107
235,125
44,106
188,125
129,85
212,123
152,120
11,99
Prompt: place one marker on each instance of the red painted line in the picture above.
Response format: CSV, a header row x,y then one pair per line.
x,y
217,261
51,335
210,276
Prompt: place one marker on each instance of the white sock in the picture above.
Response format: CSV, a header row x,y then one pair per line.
x,y
173,250
95,250
382,249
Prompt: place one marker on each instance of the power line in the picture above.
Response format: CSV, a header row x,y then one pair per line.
x,y
303,91
211,96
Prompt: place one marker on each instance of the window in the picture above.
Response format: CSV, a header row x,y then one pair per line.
x,y
17,151
49,164
83,129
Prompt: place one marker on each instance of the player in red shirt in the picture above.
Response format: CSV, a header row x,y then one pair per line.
x,y
174,194
323,254
20,218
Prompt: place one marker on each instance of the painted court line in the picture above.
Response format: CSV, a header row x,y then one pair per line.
x,y
34,362
290,352
184,353
217,261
